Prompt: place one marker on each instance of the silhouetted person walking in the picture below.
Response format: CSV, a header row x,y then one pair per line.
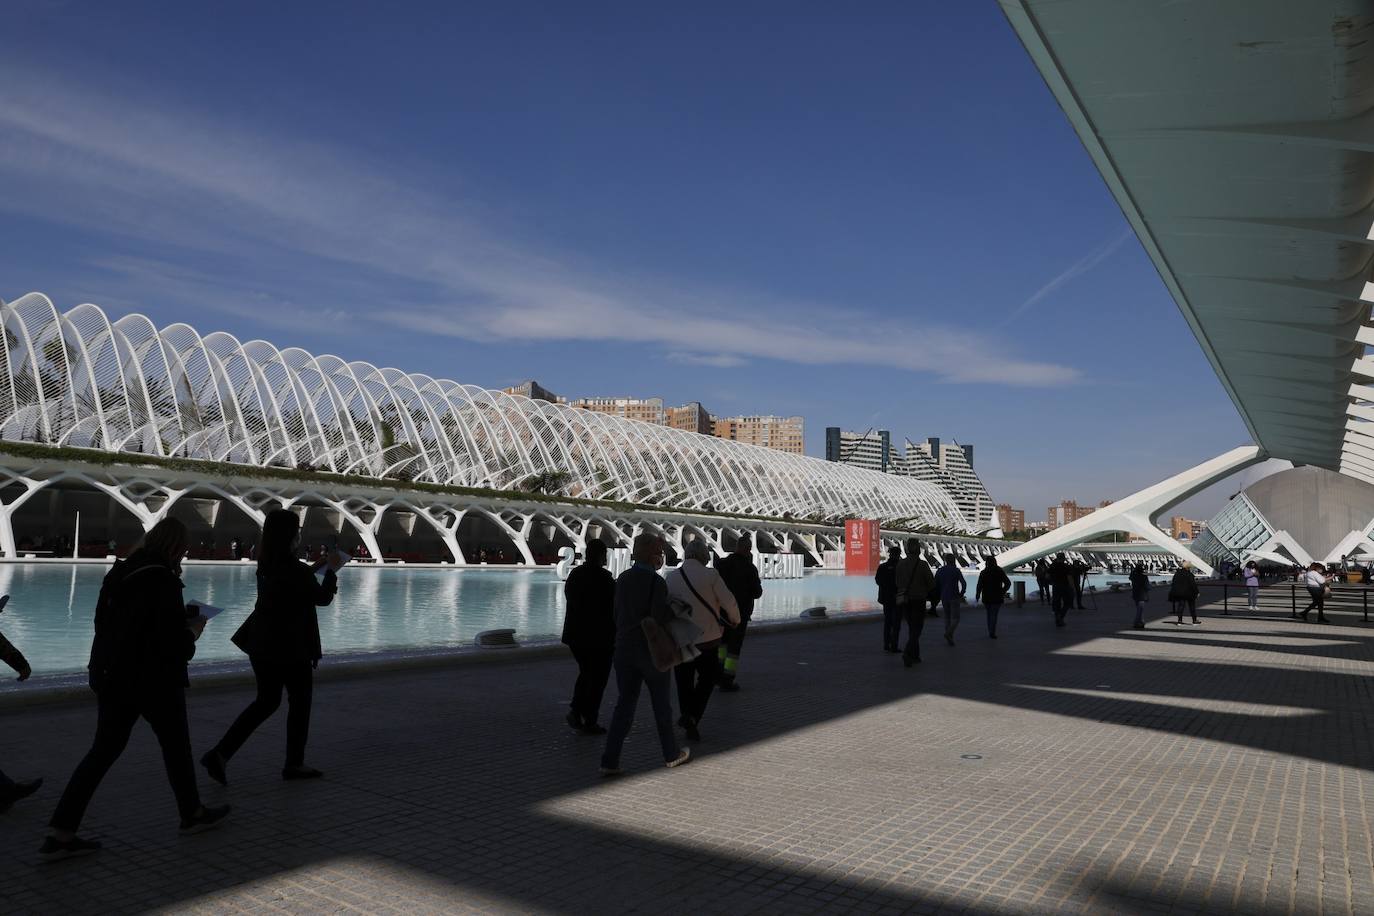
x,y
952,586
282,640
742,578
589,631
144,637
1140,593
1042,580
639,593
1079,571
12,790
1315,580
713,609
886,577
915,582
1061,584
992,589
1183,592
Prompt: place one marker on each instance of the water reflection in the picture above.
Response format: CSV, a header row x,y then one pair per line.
x,y
51,607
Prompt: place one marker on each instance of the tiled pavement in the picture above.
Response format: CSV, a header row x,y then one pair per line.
x,y
1088,769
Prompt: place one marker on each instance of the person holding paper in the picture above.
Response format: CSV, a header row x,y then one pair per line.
x,y
144,638
282,640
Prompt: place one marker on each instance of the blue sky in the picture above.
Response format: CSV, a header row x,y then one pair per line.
x,y
873,216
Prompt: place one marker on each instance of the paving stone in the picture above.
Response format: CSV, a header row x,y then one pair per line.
x,y
1226,768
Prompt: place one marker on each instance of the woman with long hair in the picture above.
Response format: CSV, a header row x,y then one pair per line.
x,y
144,637
282,640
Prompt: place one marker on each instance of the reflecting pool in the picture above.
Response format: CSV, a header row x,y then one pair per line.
x,y
377,609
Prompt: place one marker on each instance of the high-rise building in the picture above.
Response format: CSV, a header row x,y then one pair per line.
x,y
951,464
781,433
646,410
872,450
1067,511
691,417
534,391
1009,519
1186,529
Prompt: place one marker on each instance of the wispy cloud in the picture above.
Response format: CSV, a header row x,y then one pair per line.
x,y
1075,270
714,360
416,254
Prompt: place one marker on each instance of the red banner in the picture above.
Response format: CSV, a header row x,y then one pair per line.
x,y
861,545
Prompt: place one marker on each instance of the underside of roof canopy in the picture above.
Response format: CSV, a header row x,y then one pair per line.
x,y
1238,138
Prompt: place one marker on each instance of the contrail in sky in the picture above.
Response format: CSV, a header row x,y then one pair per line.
x,y
1075,270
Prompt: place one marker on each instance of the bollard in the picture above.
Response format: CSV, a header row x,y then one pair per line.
x,y
1018,590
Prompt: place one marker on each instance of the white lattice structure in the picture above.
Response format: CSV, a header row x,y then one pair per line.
x,y
79,379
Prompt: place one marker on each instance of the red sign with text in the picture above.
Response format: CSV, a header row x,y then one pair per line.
x,y
861,546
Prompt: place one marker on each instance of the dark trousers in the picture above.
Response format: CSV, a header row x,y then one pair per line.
x,y
1063,601
731,646
634,669
1044,591
1318,601
892,626
992,608
272,677
696,679
1190,603
118,712
915,615
593,671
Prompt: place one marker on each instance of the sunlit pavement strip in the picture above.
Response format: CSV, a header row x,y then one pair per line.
x,y
1088,769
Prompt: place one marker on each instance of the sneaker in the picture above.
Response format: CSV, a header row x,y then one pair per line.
x,y
301,772
691,732
612,771
213,761
949,639
17,791
1197,623
574,721
592,728
55,850
207,819
909,660
1138,626
683,756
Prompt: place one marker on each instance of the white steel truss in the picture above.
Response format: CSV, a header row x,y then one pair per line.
x,y
79,379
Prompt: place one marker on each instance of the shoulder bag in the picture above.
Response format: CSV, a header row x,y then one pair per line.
x,y
662,650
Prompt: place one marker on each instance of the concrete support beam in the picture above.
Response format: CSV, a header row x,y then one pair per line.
x,y
1136,514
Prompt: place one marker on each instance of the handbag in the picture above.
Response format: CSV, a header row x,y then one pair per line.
x,y
663,650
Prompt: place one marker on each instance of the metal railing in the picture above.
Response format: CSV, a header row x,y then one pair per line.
x,y
1289,598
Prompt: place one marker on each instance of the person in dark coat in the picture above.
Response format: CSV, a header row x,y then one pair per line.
x,y
1140,593
144,637
886,577
1042,579
1061,583
12,790
992,589
640,592
915,581
1183,591
589,631
1079,572
282,640
742,578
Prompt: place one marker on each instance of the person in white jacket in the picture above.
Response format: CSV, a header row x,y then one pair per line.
x,y
700,587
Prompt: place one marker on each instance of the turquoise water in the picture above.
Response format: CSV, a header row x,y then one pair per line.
x,y
50,609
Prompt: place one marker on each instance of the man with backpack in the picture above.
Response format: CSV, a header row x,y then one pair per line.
x,y
914,582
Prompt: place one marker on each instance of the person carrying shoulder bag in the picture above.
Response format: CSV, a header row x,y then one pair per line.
x,y
713,608
639,594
